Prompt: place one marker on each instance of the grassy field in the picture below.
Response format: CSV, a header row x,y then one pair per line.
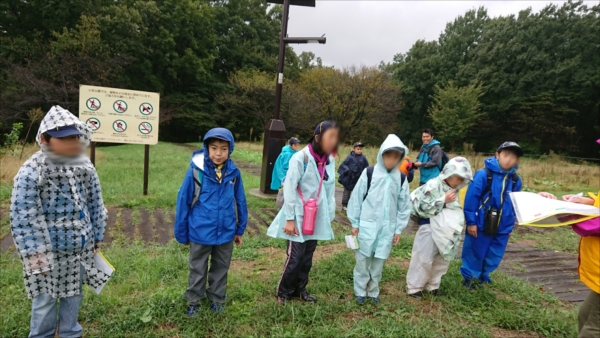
x,y
144,299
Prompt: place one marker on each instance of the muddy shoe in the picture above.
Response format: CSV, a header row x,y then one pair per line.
x,y
308,298
416,295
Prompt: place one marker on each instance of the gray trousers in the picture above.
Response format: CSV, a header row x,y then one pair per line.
x,y
220,258
589,316
346,197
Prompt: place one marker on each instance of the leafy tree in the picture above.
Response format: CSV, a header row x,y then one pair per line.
x,y
454,111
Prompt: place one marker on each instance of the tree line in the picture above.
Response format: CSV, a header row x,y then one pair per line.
x,y
532,77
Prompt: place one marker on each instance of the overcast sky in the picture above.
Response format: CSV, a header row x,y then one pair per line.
x,y
367,32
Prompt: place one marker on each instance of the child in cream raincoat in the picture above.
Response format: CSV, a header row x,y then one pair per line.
x,y
440,227
57,220
378,216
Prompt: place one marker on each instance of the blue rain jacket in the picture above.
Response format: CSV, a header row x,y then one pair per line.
x,y
281,166
308,179
351,169
386,210
430,156
212,220
476,206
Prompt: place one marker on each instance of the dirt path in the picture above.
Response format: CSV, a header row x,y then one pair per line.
x,y
555,272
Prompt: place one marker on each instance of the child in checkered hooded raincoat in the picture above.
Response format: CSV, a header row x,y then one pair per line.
x,y
57,219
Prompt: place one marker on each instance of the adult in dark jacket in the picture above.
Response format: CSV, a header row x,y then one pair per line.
x,y
350,171
429,161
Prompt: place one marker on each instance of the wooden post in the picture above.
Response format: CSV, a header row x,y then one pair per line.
x,y
93,153
146,164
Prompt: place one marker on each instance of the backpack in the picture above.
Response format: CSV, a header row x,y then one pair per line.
x,y
445,158
370,178
198,178
490,176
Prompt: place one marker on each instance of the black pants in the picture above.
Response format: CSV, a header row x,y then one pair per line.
x,y
346,197
297,266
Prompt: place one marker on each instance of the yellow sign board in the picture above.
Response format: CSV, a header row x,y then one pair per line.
x,y
120,115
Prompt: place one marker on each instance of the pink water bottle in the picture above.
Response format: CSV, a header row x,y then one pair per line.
x,y
310,216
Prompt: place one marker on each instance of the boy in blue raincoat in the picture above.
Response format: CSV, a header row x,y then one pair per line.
x,y
283,163
378,215
488,198
211,217
57,220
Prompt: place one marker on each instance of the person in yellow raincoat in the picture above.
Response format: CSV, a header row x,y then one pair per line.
x,y
589,266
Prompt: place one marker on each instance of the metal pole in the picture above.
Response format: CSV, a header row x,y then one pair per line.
x,y
279,85
93,153
146,165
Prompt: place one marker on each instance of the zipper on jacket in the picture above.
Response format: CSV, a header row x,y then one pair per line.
x,y
502,197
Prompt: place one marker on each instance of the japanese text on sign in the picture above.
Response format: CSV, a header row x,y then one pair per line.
x,y
120,115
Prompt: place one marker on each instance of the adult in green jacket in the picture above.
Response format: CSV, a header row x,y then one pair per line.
x,y
282,163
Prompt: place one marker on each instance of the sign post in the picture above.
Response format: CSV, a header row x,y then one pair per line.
x,y
121,116
274,138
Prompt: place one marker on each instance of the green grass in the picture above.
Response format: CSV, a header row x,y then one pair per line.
x,y
558,239
145,296
145,299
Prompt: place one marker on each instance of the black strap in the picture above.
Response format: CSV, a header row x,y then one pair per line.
x,y
490,176
370,178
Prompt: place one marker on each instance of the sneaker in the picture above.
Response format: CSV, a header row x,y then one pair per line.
x,y
360,300
374,299
193,310
437,293
308,298
282,300
216,307
417,295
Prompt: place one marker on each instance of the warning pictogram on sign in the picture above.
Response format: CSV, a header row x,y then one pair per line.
x,y
94,123
145,128
119,126
146,108
93,104
120,106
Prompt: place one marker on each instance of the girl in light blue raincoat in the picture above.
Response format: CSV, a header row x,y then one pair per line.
x,y
305,170
378,215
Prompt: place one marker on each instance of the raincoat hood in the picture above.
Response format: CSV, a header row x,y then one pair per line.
x,y
57,116
392,142
288,149
221,134
430,144
201,161
458,166
492,164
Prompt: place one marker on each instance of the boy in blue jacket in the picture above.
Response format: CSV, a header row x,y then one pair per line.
x,y
211,216
489,214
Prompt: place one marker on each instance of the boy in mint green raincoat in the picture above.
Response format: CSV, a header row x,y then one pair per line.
x,y
378,216
440,227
